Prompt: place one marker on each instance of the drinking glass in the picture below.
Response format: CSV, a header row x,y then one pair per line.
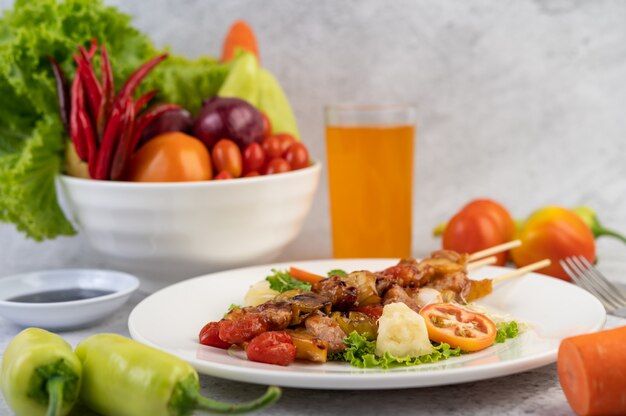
x,y
370,173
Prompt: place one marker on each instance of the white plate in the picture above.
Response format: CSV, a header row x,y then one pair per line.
x,y
172,318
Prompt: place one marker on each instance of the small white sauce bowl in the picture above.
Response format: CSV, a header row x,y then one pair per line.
x,y
69,314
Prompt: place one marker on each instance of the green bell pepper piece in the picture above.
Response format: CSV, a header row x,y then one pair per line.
x,y
122,377
41,375
274,103
242,80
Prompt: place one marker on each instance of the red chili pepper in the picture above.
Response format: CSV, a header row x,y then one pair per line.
x,y
90,82
92,148
124,150
108,90
146,118
77,102
133,81
92,48
108,143
144,99
63,93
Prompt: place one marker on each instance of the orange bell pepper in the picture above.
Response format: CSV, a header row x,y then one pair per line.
x,y
553,233
481,224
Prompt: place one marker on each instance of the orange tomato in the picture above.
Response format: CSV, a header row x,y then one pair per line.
x,y
458,326
481,224
226,156
554,233
170,157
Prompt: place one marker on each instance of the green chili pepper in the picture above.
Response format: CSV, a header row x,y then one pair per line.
x,y
124,377
41,375
242,80
588,215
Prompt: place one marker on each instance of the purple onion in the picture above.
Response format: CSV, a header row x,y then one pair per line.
x,y
228,118
172,120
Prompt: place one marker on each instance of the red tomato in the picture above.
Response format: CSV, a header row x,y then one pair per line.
x,y
297,156
481,224
272,147
170,157
253,158
223,175
286,140
210,335
267,126
242,329
251,174
227,157
277,165
458,326
275,347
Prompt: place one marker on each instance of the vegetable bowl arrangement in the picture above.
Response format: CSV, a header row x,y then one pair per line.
x,y
169,166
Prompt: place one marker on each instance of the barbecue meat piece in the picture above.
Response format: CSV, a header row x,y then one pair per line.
x,y
342,296
456,282
397,294
410,273
278,315
305,304
327,330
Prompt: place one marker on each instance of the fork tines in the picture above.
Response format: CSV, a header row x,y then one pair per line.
x,y
585,275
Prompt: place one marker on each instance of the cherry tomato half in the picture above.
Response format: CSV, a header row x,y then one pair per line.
x,y
253,158
226,156
170,157
458,326
277,165
274,347
297,156
210,335
267,126
272,147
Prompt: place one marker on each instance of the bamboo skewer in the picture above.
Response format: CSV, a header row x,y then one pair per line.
x,y
522,270
482,262
494,250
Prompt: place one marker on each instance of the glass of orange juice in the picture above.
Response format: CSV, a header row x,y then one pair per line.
x,y
370,170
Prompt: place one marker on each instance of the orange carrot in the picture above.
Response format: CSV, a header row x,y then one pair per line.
x,y
592,372
305,276
239,36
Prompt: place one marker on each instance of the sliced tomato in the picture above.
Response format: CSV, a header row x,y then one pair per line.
x,y
458,326
275,347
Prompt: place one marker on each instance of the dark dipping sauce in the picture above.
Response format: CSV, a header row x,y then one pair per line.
x,y
62,295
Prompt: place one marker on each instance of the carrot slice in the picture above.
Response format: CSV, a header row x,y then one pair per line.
x,y
305,276
592,372
239,36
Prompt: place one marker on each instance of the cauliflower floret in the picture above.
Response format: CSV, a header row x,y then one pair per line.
x,y
259,293
402,332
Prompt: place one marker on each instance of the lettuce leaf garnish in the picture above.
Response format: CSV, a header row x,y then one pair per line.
x,y
361,353
281,281
506,330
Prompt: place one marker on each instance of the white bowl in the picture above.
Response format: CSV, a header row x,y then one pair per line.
x,y
166,232
68,314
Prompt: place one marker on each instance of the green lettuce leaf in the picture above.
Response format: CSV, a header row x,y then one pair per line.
x,y
281,281
361,353
337,272
32,139
506,330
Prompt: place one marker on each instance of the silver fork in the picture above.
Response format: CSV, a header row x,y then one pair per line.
x,y
585,275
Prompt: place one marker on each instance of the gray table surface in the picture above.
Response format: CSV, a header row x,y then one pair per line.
x,y
533,392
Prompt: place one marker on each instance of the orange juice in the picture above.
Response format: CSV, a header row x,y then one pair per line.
x,y
370,170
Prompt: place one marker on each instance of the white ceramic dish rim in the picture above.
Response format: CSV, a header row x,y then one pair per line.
x,y
316,166
132,285
376,379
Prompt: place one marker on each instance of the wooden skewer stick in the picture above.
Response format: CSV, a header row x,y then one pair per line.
x,y
494,250
522,270
482,262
